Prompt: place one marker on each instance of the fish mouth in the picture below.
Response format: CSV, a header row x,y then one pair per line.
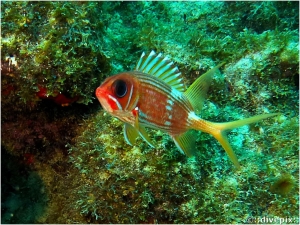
x,y
102,97
99,92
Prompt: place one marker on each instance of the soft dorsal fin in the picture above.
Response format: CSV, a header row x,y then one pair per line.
x,y
196,93
161,68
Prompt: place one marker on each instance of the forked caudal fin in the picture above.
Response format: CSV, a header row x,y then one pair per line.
x,y
218,130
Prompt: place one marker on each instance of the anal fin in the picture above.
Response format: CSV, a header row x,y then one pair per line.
x,y
186,142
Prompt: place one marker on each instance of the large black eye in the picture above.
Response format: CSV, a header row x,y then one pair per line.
x,y
120,88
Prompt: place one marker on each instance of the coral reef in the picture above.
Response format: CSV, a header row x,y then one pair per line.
x,y
64,50
56,45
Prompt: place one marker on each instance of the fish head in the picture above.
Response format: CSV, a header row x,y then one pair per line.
x,y
119,94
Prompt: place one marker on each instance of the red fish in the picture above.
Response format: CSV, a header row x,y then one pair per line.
x,y
154,96
58,98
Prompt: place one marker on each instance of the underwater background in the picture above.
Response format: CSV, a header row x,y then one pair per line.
x,y
64,160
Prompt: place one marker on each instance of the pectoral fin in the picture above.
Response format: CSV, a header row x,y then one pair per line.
x,y
186,143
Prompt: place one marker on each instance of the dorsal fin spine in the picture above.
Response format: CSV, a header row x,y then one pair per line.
x,y
148,59
173,78
140,61
174,75
168,72
160,73
151,64
162,68
158,66
179,86
173,83
164,62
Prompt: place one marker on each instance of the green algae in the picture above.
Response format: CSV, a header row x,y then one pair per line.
x,y
119,181
57,45
205,189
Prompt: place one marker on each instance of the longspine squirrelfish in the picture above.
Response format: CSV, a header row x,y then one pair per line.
x,y
154,96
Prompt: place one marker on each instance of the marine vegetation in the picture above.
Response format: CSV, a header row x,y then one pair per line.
x,y
54,46
60,143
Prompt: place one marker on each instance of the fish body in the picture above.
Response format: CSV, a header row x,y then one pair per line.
x,y
158,105
154,96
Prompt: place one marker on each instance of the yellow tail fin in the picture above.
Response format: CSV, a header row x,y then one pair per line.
x,y
218,130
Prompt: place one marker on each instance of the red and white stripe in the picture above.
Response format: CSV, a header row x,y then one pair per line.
x,y
161,106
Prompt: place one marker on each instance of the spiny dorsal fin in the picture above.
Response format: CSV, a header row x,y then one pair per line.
x,y
196,93
161,68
